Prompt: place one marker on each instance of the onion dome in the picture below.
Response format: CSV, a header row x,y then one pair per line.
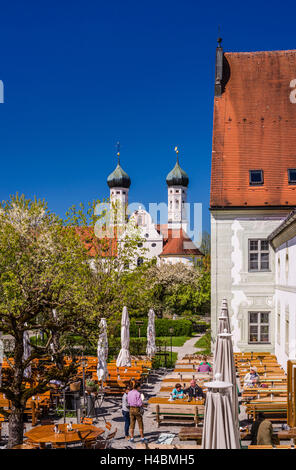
x,y
118,178
177,177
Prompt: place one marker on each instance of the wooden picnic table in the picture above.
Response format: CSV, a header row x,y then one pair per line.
x,y
269,400
276,407
252,391
178,402
184,376
81,432
189,433
281,435
176,409
272,381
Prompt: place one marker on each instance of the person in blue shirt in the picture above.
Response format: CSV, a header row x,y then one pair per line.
x,y
178,391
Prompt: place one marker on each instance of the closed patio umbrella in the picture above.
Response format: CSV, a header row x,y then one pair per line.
x,y
151,347
224,364
219,427
224,318
102,351
124,357
26,353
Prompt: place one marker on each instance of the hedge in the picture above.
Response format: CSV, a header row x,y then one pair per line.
x,y
137,346
200,326
162,327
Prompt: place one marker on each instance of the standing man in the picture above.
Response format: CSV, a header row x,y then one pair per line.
x,y
136,411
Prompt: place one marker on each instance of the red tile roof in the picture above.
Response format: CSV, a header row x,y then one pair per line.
x,y
106,247
255,128
177,243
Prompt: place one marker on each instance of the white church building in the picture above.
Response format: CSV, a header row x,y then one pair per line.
x,y
168,243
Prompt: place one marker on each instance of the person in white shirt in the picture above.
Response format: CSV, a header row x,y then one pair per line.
x,y
126,412
251,379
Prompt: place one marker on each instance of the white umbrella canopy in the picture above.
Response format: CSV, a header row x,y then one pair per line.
x,y
224,318
219,427
102,351
151,346
26,353
124,357
224,364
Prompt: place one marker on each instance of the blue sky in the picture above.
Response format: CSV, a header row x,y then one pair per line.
x,y
79,76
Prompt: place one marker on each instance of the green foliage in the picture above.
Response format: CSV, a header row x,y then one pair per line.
x,y
176,340
200,326
159,361
178,289
162,327
205,247
204,343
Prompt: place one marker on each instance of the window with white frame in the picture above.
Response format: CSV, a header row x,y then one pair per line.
x,y
258,255
259,327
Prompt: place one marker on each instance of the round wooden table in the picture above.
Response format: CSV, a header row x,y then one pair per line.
x,y
80,433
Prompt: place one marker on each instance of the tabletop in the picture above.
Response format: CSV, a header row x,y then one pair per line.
x,y
279,400
43,434
166,401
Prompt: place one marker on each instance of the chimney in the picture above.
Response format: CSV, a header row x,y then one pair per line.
x,y
219,69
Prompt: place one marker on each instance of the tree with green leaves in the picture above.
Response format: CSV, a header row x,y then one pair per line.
x,y
113,248
44,286
177,289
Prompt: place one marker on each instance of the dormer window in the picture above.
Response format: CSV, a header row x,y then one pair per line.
x,y
292,175
256,177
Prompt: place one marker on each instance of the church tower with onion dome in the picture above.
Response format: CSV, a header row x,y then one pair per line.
x,y
119,183
177,181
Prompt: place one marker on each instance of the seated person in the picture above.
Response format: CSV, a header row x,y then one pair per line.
x,y
265,435
178,391
194,390
251,378
204,366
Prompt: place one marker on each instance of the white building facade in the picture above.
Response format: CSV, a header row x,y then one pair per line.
x,y
253,189
283,241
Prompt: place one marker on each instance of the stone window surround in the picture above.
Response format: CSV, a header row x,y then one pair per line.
x,y
259,324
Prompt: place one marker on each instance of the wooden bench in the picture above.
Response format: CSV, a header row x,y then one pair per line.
x,y
191,434
277,411
178,410
154,445
270,447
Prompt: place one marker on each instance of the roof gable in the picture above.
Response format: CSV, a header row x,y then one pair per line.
x,y
255,128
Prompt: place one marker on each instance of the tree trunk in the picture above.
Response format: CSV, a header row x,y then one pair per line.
x,y
16,427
